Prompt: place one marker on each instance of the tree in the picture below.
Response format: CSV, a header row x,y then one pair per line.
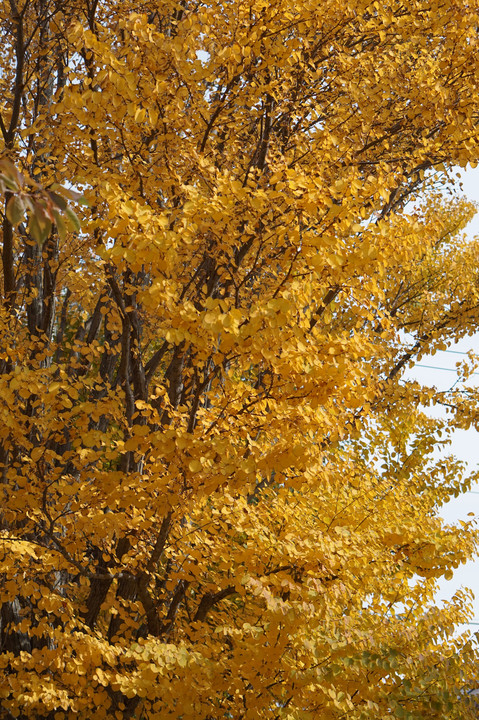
x,y
219,498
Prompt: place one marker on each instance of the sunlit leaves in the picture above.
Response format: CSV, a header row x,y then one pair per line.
x,y
219,497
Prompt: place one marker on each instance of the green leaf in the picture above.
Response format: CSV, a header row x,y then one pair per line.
x,y
39,226
73,219
15,209
58,200
12,177
34,228
70,194
9,182
60,225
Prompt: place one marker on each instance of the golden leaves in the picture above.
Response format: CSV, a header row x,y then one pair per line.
x,y
218,497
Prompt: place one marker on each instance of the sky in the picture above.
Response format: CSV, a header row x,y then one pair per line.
x,y
465,444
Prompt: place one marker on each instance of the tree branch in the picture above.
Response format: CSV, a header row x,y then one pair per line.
x,y
8,260
209,600
18,84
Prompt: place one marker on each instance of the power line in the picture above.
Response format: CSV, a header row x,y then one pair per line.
x,y
453,352
437,367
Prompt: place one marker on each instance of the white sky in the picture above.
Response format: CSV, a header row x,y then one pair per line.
x,y
465,443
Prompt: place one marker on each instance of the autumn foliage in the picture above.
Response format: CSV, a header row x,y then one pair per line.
x,y
218,493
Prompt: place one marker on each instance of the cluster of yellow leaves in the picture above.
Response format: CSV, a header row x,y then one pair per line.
x,y
218,497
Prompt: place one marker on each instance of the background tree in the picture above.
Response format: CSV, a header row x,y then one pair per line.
x,y
218,496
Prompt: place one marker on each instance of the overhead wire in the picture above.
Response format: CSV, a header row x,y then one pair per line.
x,y
454,352
437,367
